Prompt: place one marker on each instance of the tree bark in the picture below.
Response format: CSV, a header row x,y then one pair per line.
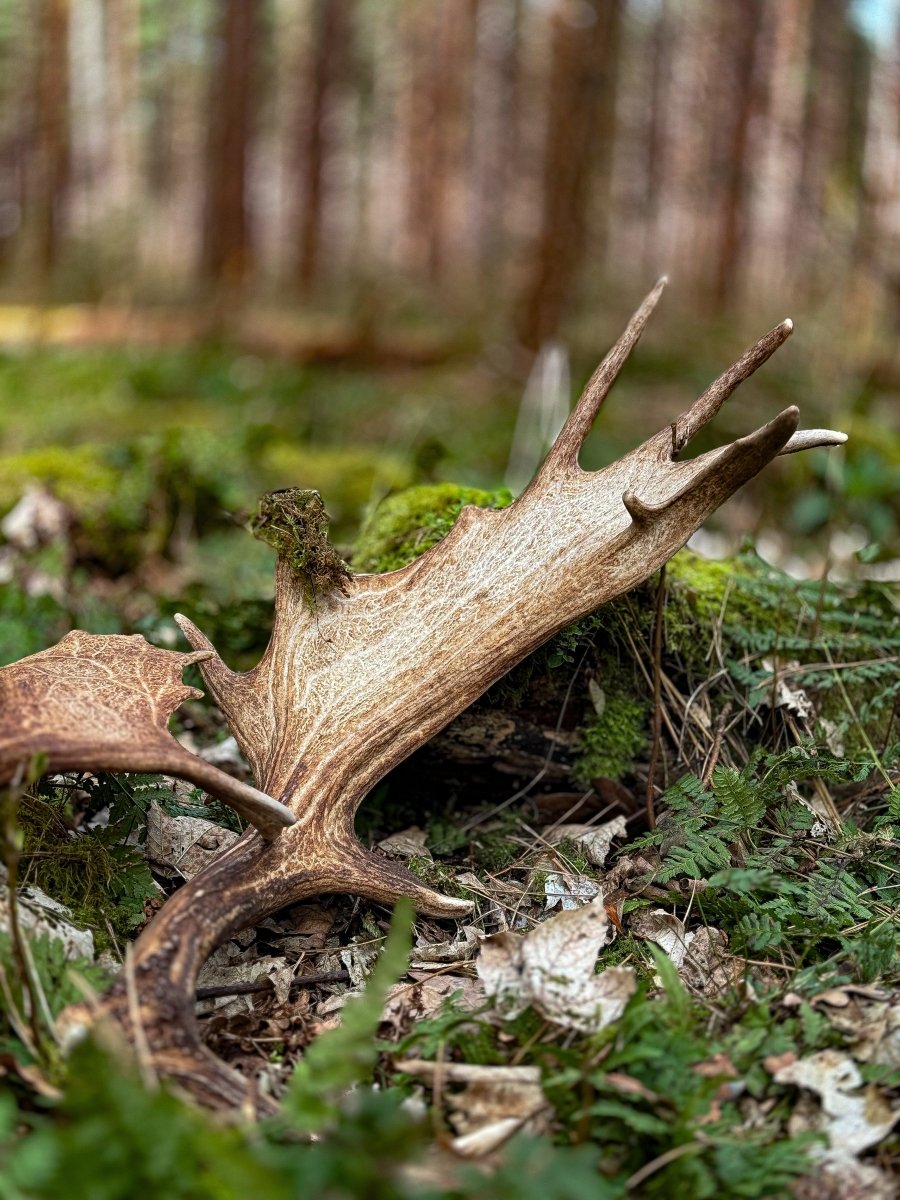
x,y
50,181
585,39
327,58
227,247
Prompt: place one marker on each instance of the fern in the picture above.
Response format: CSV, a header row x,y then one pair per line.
x,y
741,801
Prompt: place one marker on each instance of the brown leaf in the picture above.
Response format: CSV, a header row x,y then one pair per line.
x,y
96,702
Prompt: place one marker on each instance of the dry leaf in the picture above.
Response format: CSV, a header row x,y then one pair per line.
x,y
665,929
183,846
408,843
852,1116
226,966
494,1103
568,891
700,956
459,950
38,518
594,840
39,914
102,703
409,1003
873,1024
552,969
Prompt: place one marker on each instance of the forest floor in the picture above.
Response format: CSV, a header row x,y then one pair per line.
x,y
708,1006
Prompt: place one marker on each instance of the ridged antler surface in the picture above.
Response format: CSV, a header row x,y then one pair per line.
x,y
354,682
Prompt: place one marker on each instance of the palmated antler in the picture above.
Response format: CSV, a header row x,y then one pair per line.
x,y
355,681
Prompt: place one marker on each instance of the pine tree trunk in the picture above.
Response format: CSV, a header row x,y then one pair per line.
x,y
227,248
585,40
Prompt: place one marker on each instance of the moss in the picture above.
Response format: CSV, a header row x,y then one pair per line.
x,y
437,876
88,479
295,524
406,525
102,884
612,740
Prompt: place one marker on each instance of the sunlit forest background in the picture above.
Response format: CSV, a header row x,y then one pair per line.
x,y
342,233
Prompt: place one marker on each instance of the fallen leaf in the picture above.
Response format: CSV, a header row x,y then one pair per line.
x,y
183,846
459,950
874,1026
568,891
227,966
408,843
665,929
101,702
38,518
494,1103
409,1003
853,1117
593,840
39,914
552,969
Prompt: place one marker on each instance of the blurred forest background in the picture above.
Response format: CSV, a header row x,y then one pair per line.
x,y
357,221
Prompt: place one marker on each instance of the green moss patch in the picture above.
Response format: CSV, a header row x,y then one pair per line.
x,y
406,525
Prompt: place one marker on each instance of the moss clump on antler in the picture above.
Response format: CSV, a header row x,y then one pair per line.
x,y
294,523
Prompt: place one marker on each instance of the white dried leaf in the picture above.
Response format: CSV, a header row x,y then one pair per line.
x,y
666,930
40,914
38,518
598,697
568,891
552,969
794,699
183,846
853,1117
226,966
447,952
594,840
494,1103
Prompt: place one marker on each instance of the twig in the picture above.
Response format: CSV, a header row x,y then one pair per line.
x,y
656,723
662,1160
716,750
265,985
141,1045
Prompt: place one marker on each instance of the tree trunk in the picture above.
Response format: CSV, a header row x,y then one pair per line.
x,y
50,180
585,39
741,42
227,243
327,58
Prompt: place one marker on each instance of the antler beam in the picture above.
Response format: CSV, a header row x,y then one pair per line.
x,y
355,681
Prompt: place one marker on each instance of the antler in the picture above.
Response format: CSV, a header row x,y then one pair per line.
x,y
354,681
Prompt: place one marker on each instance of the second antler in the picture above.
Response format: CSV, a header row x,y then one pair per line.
x,y
355,681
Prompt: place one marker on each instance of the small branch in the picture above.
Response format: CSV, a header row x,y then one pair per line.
x,y
716,750
265,985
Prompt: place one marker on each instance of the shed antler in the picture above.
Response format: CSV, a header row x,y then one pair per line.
x,y
354,682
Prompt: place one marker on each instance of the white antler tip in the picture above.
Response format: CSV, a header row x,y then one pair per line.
x,y
787,325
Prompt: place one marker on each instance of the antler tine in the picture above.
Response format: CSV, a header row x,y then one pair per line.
x,y
706,406
216,674
716,475
809,439
563,454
